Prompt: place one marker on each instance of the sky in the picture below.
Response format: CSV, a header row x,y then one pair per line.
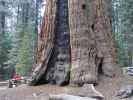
x,y
43,8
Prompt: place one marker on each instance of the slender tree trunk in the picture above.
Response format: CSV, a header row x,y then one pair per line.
x,y
36,20
2,35
2,18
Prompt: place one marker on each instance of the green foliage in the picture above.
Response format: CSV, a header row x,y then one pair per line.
x,y
25,54
126,12
23,37
13,52
17,47
123,29
121,48
5,45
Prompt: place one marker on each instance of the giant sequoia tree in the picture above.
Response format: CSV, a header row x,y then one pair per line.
x,y
75,44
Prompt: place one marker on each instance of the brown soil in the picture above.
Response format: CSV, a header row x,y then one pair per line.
x,y
108,87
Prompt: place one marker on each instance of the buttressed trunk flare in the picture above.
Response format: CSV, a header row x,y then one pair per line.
x,y
75,42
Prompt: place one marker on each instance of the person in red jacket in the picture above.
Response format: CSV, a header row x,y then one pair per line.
x,y
17,77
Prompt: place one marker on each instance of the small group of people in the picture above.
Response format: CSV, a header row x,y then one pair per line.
x,y
15,81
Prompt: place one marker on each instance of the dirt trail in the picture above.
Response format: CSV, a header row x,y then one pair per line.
x,y
107,87
30,92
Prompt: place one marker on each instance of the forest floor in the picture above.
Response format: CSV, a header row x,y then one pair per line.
x,y
108,87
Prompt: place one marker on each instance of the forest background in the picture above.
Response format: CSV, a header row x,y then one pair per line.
x,y
20,22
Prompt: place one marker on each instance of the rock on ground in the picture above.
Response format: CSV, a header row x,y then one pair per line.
x,y
125,91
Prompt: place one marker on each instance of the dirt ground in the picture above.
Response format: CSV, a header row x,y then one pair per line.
x,y
108,87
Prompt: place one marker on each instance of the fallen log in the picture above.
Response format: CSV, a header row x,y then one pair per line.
x,y
69,97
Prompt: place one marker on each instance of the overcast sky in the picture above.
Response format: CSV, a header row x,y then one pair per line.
x,y
43,8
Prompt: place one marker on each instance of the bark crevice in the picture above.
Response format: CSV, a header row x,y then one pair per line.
x,y
76,43
83,6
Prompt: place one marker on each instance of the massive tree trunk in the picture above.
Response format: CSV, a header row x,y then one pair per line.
x,y
53,60
91,48
45,42
92,45
59,63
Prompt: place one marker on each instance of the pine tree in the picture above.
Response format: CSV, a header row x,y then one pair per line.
x,y
126,13
4,38
25,55
24,23
122,26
